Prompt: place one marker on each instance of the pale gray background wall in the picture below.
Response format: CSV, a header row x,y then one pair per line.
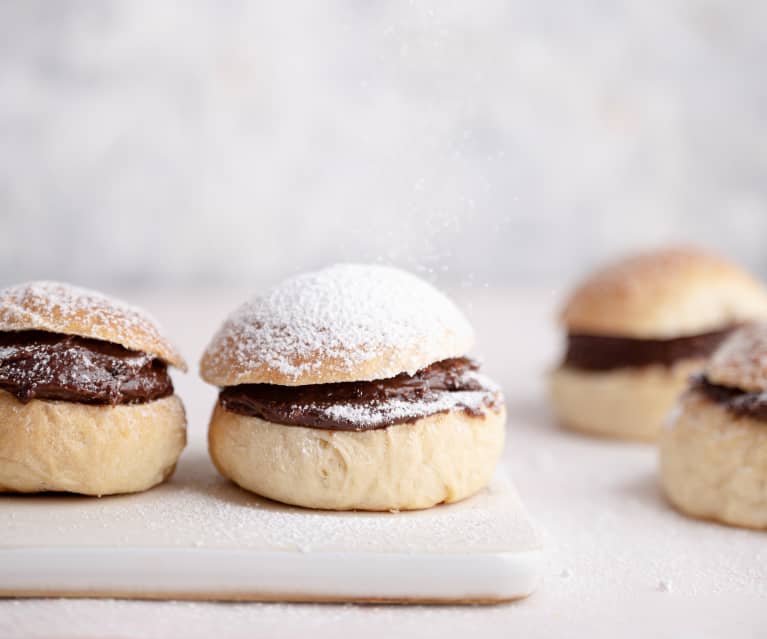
x,y
152,143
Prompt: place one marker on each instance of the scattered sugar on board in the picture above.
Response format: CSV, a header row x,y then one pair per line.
x,y
664,585
348,313
214,513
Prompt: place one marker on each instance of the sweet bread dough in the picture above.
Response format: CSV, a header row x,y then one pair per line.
x,y
665,293
438,459
627,403
713,453
714,465
91,450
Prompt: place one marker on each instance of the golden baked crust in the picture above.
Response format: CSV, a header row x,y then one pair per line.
x,y
714,464
86,449
345,323
741,361
441,458
60,308
664,294
626,403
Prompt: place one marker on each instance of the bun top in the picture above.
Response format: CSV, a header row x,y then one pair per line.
x,y
60,308
664,294
344,323
741,361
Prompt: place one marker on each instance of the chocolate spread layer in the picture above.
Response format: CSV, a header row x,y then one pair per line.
x,y
41,365
452,384
602,353
735,400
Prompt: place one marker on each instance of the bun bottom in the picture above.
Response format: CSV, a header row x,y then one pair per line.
x,y
714,464
441,458
86,449
626,403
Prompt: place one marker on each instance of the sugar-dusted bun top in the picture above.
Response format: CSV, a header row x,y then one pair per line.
x,y
741,361
344,323
663,294
60,308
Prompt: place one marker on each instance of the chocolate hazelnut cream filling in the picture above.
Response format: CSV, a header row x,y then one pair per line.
x,y
52,366
734,400
452,384
604,353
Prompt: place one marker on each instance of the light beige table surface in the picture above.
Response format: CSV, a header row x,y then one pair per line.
x,y
620,562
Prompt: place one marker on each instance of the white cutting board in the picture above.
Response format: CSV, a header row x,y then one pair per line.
x,y
201,537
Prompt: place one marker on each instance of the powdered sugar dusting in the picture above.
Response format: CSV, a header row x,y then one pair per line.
x,y
741,361
477,402
345,316
398,410
61,308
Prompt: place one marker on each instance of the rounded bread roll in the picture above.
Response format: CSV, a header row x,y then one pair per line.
x,y
713,460
84,448
441,458
87,449
665,294
345,323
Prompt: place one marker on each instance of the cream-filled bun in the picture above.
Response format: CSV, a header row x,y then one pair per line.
x,y
86,402
349,388
713,451
638,328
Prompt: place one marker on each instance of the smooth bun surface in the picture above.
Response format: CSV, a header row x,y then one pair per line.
x,y
61,308
714,465
627,403
344,323
442,458
664,294
86,449
741,361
